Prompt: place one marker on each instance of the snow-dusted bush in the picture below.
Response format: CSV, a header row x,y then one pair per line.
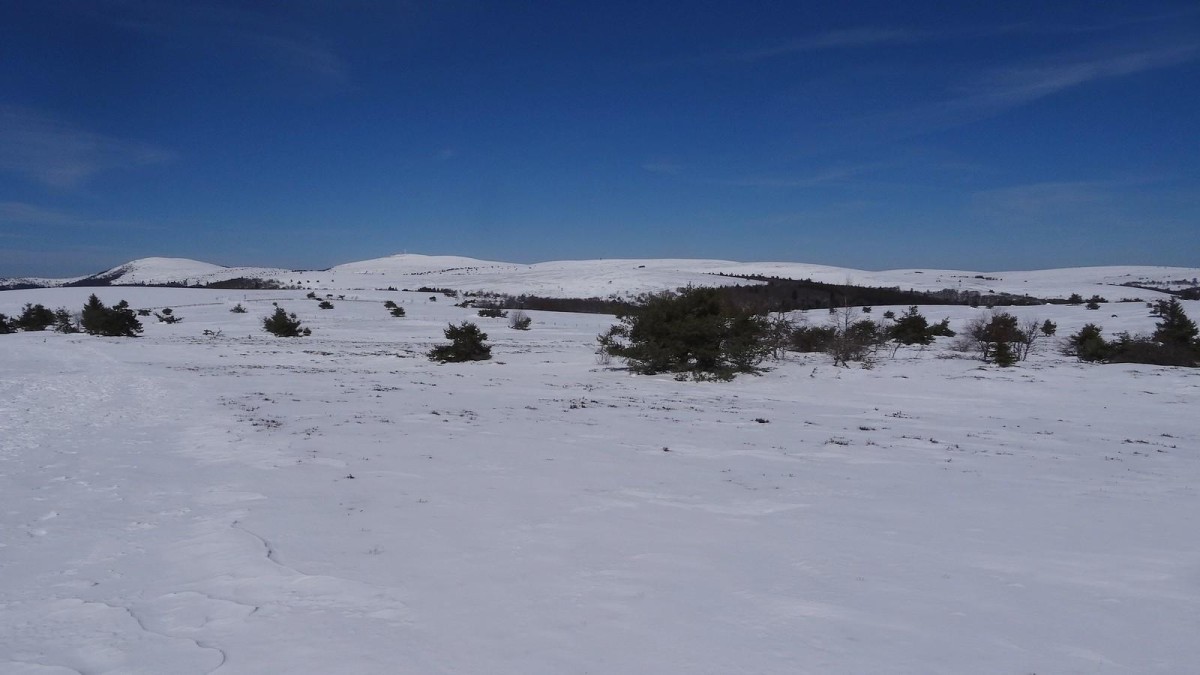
x,y
238,309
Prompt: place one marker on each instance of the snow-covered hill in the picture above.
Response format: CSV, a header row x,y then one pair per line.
x,y
626,277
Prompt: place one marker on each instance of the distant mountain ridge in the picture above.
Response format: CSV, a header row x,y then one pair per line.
x,y
622,277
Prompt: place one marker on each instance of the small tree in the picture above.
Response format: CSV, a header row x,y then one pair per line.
x,y
282,324
325,304
397,311
998,338
467,343
238,309
519,321
34,318
911,328
5,325
1088,344
1174,327
1049,328
116,321
1075,299
64,322
693,331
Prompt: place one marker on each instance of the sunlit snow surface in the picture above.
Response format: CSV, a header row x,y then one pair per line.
x,y
240,503
624,278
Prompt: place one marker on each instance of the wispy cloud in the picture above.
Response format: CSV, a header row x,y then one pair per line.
x,y
204,26
1008,87
61,155
998,90
828,176
25,216
663,166
852,38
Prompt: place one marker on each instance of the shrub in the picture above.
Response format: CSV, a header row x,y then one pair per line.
x,y
1049,328
5,325
282,324
238,309
397,311
34,317
1088,344
812,338
854,340
692,331
1075,299
467,343
116,321
519,321
942,329
1174,326
325,304
64,322
493,313
1174,342
390,304
1000,340
911,328
167,315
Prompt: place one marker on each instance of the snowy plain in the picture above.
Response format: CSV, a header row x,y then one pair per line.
x,y
240,503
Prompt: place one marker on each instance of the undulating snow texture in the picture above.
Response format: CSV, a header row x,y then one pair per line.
x,y
240,503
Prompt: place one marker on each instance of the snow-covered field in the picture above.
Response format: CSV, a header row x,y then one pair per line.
x,y
241,503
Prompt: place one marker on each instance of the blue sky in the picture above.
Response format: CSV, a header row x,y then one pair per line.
x,y
309,133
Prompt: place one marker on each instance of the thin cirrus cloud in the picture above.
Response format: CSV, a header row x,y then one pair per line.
x,y
1019,85
24,216
829,176
999,90
210,27
852,38
60,155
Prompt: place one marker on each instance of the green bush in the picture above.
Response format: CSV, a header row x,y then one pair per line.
x,y
64,322
467,343
116,321
911,328
1174,342
812,338
282,324
34,317
690,332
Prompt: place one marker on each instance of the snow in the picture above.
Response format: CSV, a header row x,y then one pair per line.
x,y
242,503
630,277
